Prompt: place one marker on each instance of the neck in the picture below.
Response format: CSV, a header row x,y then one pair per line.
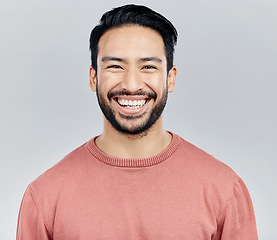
x,y
143,145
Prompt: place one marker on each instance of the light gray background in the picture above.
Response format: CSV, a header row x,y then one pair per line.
x,y
225,99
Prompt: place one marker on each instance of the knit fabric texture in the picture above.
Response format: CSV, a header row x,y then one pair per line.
x,y
181,193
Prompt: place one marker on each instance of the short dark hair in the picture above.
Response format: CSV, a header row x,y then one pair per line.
x,y
134,15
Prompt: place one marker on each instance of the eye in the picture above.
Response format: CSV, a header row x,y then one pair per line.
x,y
149,67
114,66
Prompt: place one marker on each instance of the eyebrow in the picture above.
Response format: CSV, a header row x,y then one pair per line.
x,y
150,59
110,58
144,59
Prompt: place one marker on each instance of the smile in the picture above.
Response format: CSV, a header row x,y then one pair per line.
x,y
131,104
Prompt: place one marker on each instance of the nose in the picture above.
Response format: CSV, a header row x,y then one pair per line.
x,y
132,80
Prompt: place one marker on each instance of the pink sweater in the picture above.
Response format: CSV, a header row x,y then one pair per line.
x,y
181,193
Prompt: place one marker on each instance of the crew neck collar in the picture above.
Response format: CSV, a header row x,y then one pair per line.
x,y
133,162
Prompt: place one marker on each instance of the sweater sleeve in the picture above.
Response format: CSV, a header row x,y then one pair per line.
x,y
238,221
30,221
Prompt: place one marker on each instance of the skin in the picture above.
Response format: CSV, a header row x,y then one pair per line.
x,y
132,58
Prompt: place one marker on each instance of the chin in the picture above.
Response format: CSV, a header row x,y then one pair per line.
x,y
142,126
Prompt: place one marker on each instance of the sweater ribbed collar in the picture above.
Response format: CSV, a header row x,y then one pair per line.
x,y
133,162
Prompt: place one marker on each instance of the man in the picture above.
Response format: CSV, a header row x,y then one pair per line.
x,y
136,180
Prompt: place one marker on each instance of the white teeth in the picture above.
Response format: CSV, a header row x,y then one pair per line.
x,y
131,104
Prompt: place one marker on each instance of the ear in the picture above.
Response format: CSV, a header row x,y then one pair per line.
x,y
92,79
171,78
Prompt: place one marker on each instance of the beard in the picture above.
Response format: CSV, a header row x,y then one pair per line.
x,y
136,126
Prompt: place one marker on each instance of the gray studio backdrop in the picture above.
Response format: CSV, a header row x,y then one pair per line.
x,y
225,99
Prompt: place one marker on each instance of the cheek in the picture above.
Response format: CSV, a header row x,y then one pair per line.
x,y
104,84
102,88
108,81
158,84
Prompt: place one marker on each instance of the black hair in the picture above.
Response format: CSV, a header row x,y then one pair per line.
x,y
134,15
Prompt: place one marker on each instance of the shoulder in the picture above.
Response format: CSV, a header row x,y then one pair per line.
x,y
205,172
64,170
219,183
203,163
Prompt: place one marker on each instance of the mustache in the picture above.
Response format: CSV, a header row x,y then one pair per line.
x,y
128,93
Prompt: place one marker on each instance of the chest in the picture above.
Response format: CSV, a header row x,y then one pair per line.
x,y
132,208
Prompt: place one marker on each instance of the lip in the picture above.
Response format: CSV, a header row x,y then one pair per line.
x,y
130,111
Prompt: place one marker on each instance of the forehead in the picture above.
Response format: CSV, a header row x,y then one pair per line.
x,y
131,41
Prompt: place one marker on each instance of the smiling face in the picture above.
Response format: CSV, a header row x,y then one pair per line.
x,y
132,80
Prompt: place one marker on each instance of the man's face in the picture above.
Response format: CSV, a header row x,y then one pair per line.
x,y
132,80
